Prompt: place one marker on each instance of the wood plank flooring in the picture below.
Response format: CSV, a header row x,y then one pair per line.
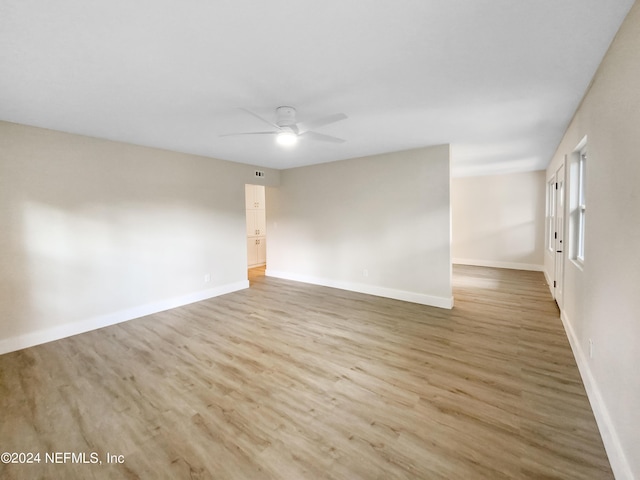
x,y
292,381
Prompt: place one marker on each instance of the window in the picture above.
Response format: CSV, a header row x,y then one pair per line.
x,y
578,205
582,207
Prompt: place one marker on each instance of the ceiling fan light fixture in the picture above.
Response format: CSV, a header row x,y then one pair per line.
x,y
286,138
287,130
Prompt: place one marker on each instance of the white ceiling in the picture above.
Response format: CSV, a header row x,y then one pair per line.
x,y
498,79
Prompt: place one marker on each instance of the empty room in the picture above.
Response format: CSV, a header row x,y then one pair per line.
x,y
319,240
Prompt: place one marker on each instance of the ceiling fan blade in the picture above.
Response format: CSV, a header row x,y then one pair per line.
x,y
258,117
322,137
247,133
320,122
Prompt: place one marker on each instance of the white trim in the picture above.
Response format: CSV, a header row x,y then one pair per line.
x,y
413,297
617,459
56,333
581,144
498,264
579,264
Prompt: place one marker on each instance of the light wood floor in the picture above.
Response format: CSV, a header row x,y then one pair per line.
x,y
292,381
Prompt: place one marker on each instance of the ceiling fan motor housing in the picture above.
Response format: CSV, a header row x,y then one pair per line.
x,y
286,116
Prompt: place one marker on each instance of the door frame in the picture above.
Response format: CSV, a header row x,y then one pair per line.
x,y
559,247
255,237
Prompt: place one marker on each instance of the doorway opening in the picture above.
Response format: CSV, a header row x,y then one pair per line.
x,y
256,231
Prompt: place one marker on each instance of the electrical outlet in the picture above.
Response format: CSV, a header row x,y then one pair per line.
x,y
365,273
207,277
590,348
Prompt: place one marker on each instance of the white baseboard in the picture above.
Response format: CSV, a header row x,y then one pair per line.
x,y
617,459
498,264
62,331
413,297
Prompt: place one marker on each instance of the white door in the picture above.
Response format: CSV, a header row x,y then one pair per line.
x,y
559,237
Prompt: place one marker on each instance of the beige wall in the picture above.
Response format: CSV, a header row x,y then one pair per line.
x,y
601,300
94,232
379,225
498,220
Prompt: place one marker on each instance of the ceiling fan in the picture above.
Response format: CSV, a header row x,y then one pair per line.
x,y
287,130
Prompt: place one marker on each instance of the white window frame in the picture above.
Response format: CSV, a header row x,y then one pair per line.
x,y
578,203
582,204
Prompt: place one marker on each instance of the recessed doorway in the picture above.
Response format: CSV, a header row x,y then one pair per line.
x,y
256,229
